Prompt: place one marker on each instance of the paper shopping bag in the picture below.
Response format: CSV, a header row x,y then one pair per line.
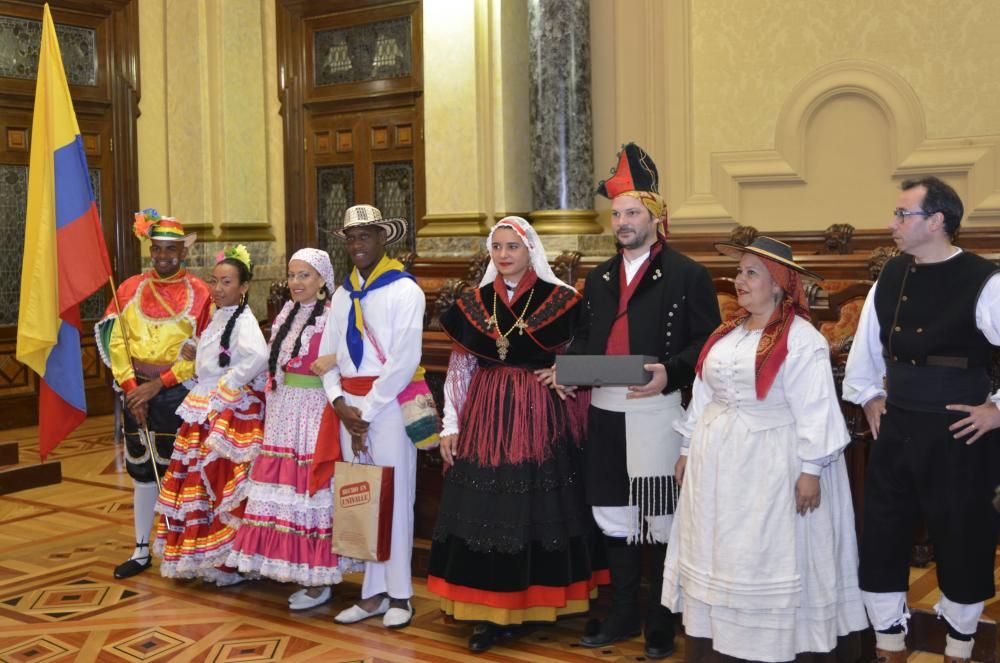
x,y
362,511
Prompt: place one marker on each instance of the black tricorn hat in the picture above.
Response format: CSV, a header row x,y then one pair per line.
x,y
635,172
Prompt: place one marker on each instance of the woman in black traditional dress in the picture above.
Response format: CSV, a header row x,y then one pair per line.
x,y
511,544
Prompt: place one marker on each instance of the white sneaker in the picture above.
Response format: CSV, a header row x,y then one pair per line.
x,y
304,602
398,617
356,613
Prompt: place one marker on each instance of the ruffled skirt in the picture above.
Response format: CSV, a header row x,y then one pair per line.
x,y
285,532
204,489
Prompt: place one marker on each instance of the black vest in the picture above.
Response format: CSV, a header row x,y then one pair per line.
x,y
935,354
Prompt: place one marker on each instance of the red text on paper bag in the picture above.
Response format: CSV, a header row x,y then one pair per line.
x,y
355,494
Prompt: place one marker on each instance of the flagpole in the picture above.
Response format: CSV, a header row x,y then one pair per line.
x,y
143,431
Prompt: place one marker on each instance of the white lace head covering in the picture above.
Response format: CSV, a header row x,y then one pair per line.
x,y
535,249
320,261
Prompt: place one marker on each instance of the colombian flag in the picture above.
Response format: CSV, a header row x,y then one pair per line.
x,y
65,259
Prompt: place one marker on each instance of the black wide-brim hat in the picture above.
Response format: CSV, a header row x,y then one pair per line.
x,y
769,249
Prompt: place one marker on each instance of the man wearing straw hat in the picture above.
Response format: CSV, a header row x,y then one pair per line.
x,y
919,366
375,328
647,300
140,338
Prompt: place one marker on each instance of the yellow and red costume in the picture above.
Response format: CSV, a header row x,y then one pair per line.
x,y
159,316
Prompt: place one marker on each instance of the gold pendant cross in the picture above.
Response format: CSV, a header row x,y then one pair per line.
x,y
502,346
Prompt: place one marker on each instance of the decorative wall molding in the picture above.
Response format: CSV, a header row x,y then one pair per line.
x,y
974,159
245,232
454,225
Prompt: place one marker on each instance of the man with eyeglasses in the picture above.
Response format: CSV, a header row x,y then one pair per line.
x,y
919,366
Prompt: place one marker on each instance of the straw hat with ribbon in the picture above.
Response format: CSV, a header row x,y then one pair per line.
x,y
367,215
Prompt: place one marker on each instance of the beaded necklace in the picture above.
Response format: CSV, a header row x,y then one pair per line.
x,y
503,345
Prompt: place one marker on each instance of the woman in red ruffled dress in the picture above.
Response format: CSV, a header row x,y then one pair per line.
x,y
204,490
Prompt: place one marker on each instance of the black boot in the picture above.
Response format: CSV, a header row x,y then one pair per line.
x,y
622,622
659,620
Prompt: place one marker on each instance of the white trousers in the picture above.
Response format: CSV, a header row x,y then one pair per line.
x,y
887,609
390,447
617,521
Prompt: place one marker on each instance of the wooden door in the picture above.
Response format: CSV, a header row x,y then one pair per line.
x,y
362,157
351,76
99,56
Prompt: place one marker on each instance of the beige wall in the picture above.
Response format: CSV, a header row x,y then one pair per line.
x,y
209,132
777,114
475,113
788,115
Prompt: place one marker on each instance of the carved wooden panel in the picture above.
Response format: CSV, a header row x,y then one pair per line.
x,y
15,378
321,141
380,138
352,68
17,139
404,135
91,144
95,373
345,141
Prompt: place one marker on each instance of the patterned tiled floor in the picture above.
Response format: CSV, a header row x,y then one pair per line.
x,y
60,602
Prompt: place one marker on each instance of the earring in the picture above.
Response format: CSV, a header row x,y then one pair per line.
x,y
321,295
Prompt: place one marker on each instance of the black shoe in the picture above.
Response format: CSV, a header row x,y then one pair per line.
x,y
659,644
134,567
606,636
484,636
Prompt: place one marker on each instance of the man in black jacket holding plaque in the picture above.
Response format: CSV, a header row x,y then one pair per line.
x,y
647,300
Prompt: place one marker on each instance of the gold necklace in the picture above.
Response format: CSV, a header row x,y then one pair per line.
x,y
503,345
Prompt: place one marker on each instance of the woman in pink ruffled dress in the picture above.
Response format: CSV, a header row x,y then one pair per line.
x,y
286,531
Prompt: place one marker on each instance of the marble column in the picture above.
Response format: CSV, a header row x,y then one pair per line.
x,y
561,142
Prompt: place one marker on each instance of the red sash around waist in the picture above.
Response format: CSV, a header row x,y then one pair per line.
x,y
328,439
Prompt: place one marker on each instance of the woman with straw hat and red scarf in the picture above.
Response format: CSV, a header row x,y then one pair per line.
x,y
763,555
